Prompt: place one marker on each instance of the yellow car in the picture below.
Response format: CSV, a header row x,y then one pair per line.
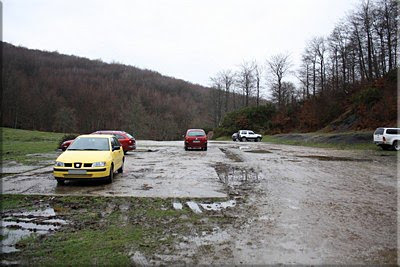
x,y
91,156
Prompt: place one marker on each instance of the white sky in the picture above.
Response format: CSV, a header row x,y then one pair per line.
x,y
190,40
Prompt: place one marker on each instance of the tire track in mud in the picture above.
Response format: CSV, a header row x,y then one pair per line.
x,y
231,155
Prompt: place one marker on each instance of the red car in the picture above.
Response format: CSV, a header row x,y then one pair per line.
x,y
196,138
127,141
66,144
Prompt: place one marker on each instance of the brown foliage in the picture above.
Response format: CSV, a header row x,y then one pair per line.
x,y
53,92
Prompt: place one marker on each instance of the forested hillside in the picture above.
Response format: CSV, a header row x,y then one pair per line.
x,y
53,92
347,79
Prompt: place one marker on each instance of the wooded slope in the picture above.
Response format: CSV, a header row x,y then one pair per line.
x,y
53,92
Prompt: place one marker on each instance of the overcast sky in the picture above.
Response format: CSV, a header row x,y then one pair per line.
x,y
190,40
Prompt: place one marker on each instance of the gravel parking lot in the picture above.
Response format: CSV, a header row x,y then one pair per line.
x,y
295,204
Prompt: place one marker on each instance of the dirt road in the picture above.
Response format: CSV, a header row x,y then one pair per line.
x,y
293,204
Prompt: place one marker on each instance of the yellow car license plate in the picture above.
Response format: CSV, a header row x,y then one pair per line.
x,y
76,171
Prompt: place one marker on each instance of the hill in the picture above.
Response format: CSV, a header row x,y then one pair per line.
x,y
49,91
367,106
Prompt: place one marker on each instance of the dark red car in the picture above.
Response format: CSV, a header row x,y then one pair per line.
x,y
66,144
196,138
127,141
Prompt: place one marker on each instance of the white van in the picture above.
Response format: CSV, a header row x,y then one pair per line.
x,y
387,138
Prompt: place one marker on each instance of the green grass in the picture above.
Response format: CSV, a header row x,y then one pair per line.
x,y
17,144
9,202
277,140
360,146
105,247
101,232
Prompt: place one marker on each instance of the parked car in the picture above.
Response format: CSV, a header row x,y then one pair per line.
x,y
66,144
195,138
90,156
247,135
235,137
387,138
127,141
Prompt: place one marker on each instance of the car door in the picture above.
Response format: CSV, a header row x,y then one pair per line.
x,y
251,135
378,135
118,154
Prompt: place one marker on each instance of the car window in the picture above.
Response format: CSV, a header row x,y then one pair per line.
x,y
392,131
196,133
379,131
117,142
119,136
130,136
113,142
251,132
95,143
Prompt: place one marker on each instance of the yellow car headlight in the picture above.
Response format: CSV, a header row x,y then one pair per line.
x,y
59,164
99,164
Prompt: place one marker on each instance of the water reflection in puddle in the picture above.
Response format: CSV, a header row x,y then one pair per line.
x,y
15,226
198,207
234,176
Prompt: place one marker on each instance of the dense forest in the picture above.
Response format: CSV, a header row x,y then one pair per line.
x,y
53,92
347,79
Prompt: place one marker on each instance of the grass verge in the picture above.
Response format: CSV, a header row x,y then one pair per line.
x,y
109,230
18,144
358,146
346,140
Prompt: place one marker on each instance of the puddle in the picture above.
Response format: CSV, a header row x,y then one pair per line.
x,y
19,225
146,187
177,205
258,151
4,174
194,207
230,155
145,150
331,158
233,176
218,205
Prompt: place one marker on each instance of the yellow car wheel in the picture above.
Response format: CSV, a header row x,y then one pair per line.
x,y
111,175
121,170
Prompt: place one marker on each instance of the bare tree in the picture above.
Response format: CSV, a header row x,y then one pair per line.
x,y
279,66
227,79
257,75
245,80
216,98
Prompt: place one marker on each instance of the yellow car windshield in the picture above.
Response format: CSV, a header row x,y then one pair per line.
x,y
92,143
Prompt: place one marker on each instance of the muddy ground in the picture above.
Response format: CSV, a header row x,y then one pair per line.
x,y
287,204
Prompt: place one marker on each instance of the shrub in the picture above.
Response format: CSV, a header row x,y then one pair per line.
x,y
67,137
252,118
368,97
